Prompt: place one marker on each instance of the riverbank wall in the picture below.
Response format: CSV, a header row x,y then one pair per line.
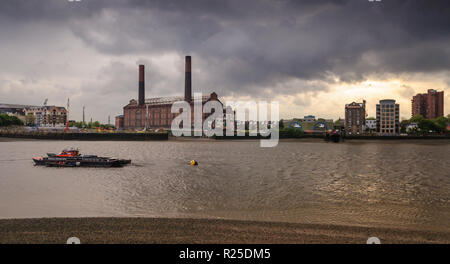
x,y
122,136
322,136
410,137
87,136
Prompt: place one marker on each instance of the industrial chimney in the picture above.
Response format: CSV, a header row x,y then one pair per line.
x,y
188,81
141,85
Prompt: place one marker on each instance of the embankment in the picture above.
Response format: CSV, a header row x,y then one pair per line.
x,y
86,136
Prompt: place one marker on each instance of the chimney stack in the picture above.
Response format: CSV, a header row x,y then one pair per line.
x,y
141,85
188,81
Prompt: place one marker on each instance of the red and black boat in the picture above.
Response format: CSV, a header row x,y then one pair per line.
x,y
72,158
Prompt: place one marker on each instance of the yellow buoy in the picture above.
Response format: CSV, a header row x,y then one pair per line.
x,y
194,163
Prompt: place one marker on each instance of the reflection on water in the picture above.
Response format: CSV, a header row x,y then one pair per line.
x,y
401,184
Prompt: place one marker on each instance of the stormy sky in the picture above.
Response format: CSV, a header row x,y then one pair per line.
x,y
312,56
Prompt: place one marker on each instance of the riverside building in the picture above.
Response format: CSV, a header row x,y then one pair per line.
x,y
388,113
46,116
430,105
355,118
155,112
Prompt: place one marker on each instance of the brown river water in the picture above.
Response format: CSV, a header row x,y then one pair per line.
x,y
400,184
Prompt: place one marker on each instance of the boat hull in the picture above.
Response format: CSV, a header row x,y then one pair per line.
x,y
333,138
79,162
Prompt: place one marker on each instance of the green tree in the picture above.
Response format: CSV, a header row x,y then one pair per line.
x,y
281,124
30,120
403,125
16,121
427,125
291,132
73,123
95,124
7,120
441,123
416,119
4,120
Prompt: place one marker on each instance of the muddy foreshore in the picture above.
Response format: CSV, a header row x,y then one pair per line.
x,y
177,230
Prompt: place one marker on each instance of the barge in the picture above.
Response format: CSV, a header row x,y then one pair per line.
x,y
72,158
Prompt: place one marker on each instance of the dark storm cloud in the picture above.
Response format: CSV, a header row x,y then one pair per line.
x,y
244,47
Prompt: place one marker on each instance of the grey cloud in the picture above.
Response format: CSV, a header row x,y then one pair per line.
x,y
268,40
255,47
265,42
406,91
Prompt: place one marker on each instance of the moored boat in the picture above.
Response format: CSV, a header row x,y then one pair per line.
x,y
334,137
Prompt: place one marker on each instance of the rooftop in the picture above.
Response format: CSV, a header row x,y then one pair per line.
x,y
15,106
171,100
47,107
168,100
387,101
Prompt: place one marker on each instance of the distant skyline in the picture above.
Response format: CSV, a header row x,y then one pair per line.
x,y
313,56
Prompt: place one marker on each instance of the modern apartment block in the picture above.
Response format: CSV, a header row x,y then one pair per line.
x,y
430,105
355,118
388,113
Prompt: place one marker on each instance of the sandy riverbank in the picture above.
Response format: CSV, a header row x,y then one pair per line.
x,y
163,230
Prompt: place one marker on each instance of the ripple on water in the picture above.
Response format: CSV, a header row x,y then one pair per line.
x,y
379,184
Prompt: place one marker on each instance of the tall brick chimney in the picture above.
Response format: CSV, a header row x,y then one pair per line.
x,y
188,81
141,85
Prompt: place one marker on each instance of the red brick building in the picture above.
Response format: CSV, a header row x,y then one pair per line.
x,y
429,105
119,122
156,112
355,118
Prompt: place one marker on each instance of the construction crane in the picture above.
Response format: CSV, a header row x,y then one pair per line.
x,y
39,114
364,102
67,116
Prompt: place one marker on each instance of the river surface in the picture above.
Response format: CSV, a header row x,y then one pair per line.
x,y
400,184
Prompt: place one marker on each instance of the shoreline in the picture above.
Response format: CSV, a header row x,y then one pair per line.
x,y
153,136
191,231
4,138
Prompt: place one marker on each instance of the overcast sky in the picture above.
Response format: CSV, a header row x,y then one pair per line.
x,y
312,56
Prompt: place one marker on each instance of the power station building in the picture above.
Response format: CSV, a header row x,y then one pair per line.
x,y
156,112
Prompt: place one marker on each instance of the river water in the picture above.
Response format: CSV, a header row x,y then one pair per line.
x,y
400,184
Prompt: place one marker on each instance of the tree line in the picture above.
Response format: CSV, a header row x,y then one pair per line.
x,y
7,120
89,125
425,126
